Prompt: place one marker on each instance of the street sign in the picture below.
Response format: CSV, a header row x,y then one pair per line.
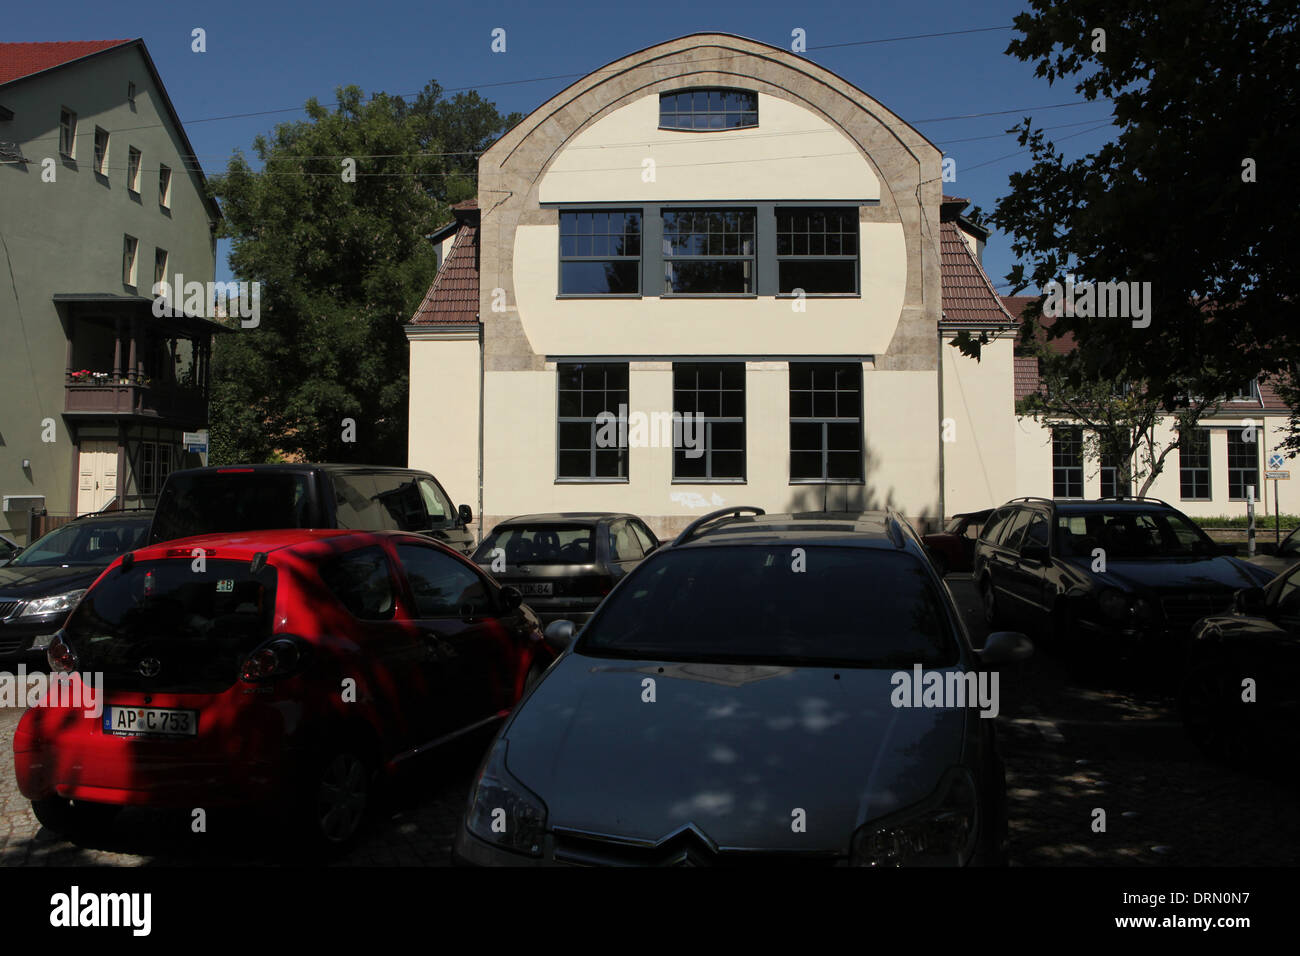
x,y
1276,461
195,442
1278,475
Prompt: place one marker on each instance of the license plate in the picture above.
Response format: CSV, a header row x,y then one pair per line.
x,y
536,590
150,721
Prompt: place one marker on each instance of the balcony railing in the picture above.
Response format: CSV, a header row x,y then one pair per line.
x,y
102,393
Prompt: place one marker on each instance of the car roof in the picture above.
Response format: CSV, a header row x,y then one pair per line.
x,y
242,545
868,529
565,517
1139,505
139,514
302,467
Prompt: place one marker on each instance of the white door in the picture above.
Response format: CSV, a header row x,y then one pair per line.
x,y
97,475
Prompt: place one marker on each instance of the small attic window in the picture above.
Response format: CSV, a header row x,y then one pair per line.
x,y
708,109
130,94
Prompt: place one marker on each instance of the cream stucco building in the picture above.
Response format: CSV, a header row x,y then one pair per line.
x,y
719,228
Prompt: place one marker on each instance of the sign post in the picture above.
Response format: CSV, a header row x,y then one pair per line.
x,y
1276,474
197,442
1250,521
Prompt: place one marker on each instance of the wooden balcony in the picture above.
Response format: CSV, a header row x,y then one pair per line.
x,y
119,397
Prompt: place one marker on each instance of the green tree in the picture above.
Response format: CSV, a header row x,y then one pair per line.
x,y
1191,195
342,263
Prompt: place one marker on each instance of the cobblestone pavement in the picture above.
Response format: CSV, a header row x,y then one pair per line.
x,y
1070,749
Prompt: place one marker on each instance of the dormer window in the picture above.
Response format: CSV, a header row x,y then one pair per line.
x,y
708,109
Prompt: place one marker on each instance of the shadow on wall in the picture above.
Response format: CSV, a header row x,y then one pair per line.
x,y
857,498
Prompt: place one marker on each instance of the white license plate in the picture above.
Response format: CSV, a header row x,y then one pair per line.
x,y
536,590
152,721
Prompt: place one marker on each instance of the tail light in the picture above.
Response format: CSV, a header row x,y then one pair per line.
x,y
276,659
61,657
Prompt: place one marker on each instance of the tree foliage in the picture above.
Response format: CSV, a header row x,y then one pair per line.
x,y
341,265
1203,95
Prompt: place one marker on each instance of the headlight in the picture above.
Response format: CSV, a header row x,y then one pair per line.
x,y
1114,604
502,810
54,604
941,831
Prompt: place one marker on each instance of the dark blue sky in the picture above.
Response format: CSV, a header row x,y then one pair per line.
x,y
263,56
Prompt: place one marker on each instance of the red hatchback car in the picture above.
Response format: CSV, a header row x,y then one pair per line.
x,y
292,668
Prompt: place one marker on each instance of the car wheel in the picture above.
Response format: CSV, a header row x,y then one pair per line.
x,y
333,801
74,819
987,598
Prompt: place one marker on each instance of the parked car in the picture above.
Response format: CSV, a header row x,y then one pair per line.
x,y
9,549
44,582
565,564
263,497
1288,554
288,669
736,685
1252,725
1132,575
953,548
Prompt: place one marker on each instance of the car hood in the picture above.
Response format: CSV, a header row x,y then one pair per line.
x,y
732,750
1178,574
36,581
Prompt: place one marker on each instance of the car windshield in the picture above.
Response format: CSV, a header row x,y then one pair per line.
x,y
760,604
231,501
1290,544
1130,535
84,542
539,544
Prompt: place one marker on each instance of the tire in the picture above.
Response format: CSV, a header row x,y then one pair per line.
x,y
74,819
989,601
333,800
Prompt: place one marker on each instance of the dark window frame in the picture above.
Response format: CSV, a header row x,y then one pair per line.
x,y
67,133
826,421
791,237
708,110
1195,445
569,257
669,258
1239,474
592,476
722,390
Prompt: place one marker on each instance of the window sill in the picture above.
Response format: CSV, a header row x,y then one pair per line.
x,y
591,481
819,295
710,481
827,481
598,295
709,295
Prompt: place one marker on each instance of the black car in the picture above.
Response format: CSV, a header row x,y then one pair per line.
x,y
564,564
9,549
266,497
1134,574
43,584
1240,697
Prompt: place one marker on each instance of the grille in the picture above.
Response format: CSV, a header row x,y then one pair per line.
x,y
11,645
7,608
1183,612
586,850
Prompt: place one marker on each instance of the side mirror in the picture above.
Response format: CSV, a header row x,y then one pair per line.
x,y
465,514
1249,601
511,598
1035,552
559,634
1004,647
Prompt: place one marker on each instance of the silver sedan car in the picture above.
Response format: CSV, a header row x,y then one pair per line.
x,y
768,689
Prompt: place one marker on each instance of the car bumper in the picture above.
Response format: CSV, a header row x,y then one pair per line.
x,y
16,641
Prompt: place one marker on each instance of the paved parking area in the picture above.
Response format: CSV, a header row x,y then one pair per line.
x,y
1070,749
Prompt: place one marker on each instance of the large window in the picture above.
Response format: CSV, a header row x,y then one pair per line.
x,y
708,251
817,250
600,252
825,422
1194,464
589,448
1112,484
1243,464
715,392
155,466
708,109
1067,462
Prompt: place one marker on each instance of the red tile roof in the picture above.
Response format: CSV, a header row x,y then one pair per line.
x,y
968,294
1026,375
23,59
452,299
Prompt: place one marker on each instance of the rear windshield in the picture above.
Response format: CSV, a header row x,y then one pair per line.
x,y
84,542
191,630
540,544
852,606
232,501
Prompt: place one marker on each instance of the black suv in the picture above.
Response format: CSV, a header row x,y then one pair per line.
x,y
264,497
1129,569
